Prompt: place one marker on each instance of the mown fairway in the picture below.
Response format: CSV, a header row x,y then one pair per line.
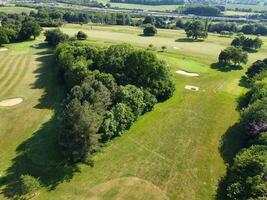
x,y
172,152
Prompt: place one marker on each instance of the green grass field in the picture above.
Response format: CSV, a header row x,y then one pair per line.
x,y
173,152
13,9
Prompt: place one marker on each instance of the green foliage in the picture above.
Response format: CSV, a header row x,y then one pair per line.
x,y
247,176
257,70
149,30
3,36
233,55
202,10
119,119
151,2
97,106
254,118
81,35
247,43
29,185
55,36
143,69
28,29
133,97
195,30
257,92
81,118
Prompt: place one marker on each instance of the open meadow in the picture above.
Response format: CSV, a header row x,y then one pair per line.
x,y
177,151
13,9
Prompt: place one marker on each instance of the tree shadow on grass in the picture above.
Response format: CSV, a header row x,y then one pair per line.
x,y
225,68
39,155
188,40
231,143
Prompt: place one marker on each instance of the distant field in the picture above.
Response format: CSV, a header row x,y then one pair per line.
x,y
259,7
173,152
12,9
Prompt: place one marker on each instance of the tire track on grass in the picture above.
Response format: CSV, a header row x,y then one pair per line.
x,y
19,76
11,72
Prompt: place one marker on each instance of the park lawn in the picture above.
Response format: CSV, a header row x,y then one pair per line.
x,y
173,152
13,9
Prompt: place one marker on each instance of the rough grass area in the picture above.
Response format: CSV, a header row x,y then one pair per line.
x,y
177,151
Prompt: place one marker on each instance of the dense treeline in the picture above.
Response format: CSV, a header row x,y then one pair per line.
x,y
253,29
109,89
202,10
18,27
151,2
246,178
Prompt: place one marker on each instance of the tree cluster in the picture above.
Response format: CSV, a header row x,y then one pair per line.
x,y
233,55
202,10
151,2
13,30
246,178
109,89
247,43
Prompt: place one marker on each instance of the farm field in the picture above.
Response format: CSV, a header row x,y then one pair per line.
x,y
177,151
13,9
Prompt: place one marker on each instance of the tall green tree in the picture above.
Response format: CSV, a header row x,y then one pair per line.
x,y
28,29
196,29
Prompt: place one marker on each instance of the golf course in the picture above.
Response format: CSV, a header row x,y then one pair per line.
x,y
179,150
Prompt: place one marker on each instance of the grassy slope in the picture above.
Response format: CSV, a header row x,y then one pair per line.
x,y
173,151
12,9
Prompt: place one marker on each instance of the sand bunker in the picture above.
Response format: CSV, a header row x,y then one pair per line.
x,y
176,47
191,87
186,73
10,102
3,49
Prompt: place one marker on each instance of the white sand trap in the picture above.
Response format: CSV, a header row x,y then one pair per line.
x,y
3,49
191,87
186,73
176,47
10,102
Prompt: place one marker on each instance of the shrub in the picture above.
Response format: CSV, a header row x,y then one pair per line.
x,y
81,35
54,37
149,30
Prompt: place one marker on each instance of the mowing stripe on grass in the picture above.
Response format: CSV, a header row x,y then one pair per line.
x,y
19,76
4,66
13,70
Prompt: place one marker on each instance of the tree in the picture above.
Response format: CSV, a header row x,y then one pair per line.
x,y
247,43
3,36
247,178
163,48
55,36
254,118
149,30
79,125
143,69
119,119
29,29
195,30
133,97
81,35
233,55
257,70
148,20
81,118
